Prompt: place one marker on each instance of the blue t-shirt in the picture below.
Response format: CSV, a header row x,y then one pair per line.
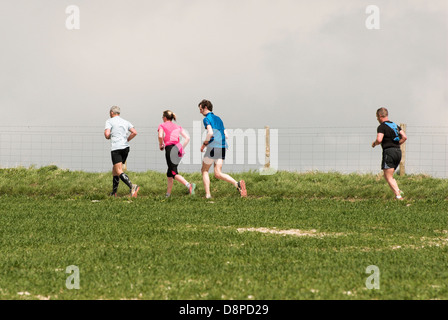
x,y
219,139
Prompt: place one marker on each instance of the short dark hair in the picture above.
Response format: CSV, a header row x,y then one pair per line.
x,y
382,112
206,104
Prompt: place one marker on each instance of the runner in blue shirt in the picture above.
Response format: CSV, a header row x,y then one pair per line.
x,y
215,149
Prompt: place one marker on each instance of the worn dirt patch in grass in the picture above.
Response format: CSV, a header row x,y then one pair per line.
x,y
291,232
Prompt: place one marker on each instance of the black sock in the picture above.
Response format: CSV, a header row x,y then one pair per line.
x,y
115,184
126,180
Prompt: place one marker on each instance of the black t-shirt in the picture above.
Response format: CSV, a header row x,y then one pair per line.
x,y
389,136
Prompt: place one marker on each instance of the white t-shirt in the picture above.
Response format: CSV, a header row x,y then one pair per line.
x,y
119,129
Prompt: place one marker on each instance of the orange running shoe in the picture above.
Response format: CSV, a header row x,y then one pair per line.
x,y
242,188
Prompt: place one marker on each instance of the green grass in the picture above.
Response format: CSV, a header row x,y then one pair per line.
x,y
192,248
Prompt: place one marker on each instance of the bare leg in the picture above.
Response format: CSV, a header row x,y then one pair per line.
x,y
181,179
223,176
117,169
170,182
389,176
206,178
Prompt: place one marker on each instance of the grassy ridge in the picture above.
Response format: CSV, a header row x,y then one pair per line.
x,y
54,182
191,248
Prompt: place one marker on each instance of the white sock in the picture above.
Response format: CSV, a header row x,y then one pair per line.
x,y
187,185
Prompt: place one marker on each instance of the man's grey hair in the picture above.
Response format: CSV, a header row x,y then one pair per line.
x,y
115,110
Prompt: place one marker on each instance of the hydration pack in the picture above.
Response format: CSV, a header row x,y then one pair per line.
x,y
394,127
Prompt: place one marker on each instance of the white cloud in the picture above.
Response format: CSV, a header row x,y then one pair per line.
x,y
251,58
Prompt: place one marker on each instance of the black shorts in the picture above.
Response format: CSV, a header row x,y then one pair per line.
x,y
120,155
172,160
215,153
391,158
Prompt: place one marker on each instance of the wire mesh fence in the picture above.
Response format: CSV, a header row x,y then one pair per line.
x,y
301,149
349,150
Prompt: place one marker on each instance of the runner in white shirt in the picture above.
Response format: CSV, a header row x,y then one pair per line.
x,y
117,131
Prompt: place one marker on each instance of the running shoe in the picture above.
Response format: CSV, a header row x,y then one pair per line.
x,y
192,188
134,190
401,196
242,188
113,194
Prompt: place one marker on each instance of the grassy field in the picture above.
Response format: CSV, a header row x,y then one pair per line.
x,y
296,236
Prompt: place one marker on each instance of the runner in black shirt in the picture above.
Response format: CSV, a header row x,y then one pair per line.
x,y
390,141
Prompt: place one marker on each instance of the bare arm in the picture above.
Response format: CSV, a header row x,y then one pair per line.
x,y
107,134
403,137
379,139
133,134
161,146
207,138
186,137
209,133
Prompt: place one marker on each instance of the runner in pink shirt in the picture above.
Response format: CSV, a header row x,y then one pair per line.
x,y
169,133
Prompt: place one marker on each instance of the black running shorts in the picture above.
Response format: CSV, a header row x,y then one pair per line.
x,y
120,155
391,158
172,160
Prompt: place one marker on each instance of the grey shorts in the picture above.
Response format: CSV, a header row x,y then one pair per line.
x,y
215,153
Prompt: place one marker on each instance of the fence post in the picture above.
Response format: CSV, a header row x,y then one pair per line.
x,y
267,163
403,153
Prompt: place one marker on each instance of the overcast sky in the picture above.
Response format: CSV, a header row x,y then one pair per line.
x,y
282,63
